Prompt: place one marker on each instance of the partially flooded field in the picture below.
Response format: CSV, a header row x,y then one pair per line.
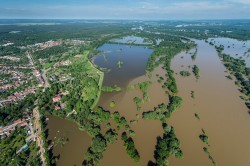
x,y
222,114
235,48
133,40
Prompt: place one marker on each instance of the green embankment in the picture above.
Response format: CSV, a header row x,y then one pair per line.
x,y
100,73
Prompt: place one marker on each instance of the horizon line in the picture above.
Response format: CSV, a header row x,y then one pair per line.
x,y
127,19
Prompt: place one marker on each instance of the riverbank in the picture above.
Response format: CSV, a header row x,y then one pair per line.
x,y
101,75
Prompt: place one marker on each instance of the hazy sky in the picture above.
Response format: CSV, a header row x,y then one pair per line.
x,y
126,9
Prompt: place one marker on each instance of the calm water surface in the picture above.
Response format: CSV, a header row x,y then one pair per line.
x,y
132,39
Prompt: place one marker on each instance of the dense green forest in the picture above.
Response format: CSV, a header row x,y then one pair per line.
x,y
41,33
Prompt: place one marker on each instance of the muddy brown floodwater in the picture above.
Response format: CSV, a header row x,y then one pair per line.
x,y
72,153
223,115
131,73
146,130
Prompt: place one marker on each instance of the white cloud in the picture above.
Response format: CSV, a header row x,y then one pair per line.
x,y
247,2
198,6
141,10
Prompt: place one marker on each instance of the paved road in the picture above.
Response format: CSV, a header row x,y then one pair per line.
x,y
36,115
38,135
72,112
30,58
44,72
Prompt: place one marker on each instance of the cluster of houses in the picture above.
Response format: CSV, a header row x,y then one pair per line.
x,y
17,96
25,123
13,73
56,100
12,58
62,78
63,63
17,79
51,43
38,76
75,42
7,44
13,85
58,105
44,45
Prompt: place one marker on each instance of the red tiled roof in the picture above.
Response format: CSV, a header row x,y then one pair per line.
x,y
57,108
23,124
56,98
18,95
18,121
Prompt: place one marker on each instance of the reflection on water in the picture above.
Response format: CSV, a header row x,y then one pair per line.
x,y
235,48
132,39
134,63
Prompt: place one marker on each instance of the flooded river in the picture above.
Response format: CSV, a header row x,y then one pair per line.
x,y
223,115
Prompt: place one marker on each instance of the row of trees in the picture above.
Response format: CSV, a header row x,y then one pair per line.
x,y
204,138
163,111
111,89
159,113
196,71
130,147
170,83
237,68
194,55
144,87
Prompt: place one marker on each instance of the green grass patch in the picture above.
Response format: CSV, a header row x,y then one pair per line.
x,y
48,65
